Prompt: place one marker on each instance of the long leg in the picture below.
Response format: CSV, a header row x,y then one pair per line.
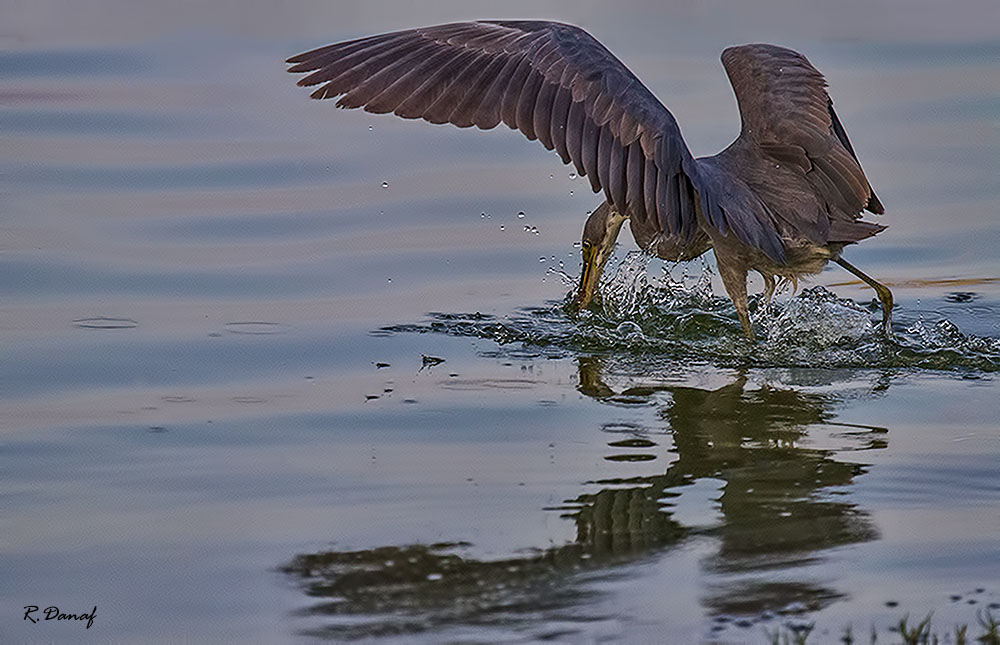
x,y
735,281
884,295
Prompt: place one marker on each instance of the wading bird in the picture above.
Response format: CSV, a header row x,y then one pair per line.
x,y
783,199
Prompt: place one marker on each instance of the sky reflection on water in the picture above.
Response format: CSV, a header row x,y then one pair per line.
x,y
218,424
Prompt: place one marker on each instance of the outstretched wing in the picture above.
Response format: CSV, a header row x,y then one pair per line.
x,y
553,82
788,117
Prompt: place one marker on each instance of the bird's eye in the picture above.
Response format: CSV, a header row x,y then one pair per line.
x,y
587,245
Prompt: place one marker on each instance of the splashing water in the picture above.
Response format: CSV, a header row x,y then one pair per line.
x,y
680,318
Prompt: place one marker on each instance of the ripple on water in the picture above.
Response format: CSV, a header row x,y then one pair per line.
x,y
256,328
102,322
683,320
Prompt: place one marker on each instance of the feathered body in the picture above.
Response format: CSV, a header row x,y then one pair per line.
x,y
782,199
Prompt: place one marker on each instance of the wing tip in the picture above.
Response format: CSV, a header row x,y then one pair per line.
x,y
874,205
324,92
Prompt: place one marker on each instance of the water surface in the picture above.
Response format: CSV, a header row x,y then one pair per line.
x,y
224,308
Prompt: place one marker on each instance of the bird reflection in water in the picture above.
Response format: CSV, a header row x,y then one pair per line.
x,y
782,505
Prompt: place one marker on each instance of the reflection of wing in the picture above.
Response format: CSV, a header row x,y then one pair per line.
x,y
788,116
551,81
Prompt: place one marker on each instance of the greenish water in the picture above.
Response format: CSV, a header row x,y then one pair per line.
x,y
247,393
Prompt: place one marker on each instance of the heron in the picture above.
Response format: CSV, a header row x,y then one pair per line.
x,y
783,199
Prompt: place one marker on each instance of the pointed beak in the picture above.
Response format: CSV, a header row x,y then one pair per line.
x,y
589,277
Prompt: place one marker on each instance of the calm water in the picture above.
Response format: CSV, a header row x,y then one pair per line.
x,y
223,410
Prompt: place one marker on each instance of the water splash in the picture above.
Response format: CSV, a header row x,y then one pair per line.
x,y
681,319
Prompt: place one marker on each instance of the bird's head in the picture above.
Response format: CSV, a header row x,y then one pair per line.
x,y
599,236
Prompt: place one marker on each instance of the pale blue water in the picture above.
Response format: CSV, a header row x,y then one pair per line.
x,y
221,415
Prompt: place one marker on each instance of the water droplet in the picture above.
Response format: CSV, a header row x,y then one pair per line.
x,y
520,214
572,176
541,259
385,184
388,279
577,245
571,193
502,227
482,216
551,176
370,128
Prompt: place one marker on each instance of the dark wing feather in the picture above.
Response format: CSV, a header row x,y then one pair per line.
x,y
551,81
874,205
788,119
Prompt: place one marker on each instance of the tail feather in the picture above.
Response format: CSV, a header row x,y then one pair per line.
x,y
848,232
